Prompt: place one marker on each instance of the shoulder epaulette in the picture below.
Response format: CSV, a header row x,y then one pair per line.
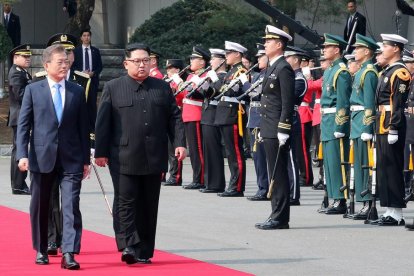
x,y
370,68
18,68
82,74
340,70
342,65
240,70
41,74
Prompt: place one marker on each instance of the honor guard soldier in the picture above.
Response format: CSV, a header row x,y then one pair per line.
x,y
55,215
174,67
154,71
229,118
278,100
214,179
294,56
336,90
18,78
362,108
391,95
253,124
192,116
381,62
352,65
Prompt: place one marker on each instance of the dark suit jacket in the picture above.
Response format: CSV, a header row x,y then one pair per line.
x,y
133,124
277,101
360,28
13,28
96,63
48,139
18,80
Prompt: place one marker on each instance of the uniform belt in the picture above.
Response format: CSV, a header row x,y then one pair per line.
x,y
328,110
384,108
191,102
304,104
317,101
255,104
213,102
231,100
357,107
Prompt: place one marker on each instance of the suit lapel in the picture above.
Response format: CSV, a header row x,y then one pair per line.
x,y
270,71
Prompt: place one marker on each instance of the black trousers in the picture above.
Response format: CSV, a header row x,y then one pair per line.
x,y
175,167
17,177
234,149
280,199
260,166
195,146
304,158
55,216
213,158
294,155
316,137
41,187
390,165
135,211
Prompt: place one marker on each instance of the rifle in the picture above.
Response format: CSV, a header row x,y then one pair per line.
x,y
168,80
234,82
194,90
351,185
351,36
344,187
410,196
188,83
325,201
252,88
372,166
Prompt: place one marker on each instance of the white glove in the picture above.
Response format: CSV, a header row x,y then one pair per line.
x,y
196,80
176,78
92,153
339,135
243,78
205,85
282,137
212,75
392,138
366,137
233,83
259,137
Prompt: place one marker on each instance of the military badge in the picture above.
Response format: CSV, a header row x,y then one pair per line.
x,y
402,88
341,112
368,112
271,85
385,79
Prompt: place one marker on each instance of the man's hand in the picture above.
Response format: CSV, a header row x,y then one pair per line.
x,y
339,134
282,137
180,153
23,164
392,138
86,171
366,137
101,161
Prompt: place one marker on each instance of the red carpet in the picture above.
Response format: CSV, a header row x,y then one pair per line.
x,y
98,256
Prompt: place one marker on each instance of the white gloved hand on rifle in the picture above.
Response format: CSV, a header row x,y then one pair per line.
x,y
392,137
243,78
366,137
282,137
212,75
176,78
339,134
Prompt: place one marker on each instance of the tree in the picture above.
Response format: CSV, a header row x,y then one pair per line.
x,y
80,20
174,30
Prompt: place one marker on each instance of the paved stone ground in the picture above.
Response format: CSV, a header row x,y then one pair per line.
x,y
221,231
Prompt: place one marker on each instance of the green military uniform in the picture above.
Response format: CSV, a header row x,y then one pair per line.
x,y
362,103
336,90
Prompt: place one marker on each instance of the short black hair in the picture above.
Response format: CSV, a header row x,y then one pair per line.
x,y
352,1
136,46
86,31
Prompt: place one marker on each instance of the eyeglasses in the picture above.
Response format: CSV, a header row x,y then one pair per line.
x,y
137,61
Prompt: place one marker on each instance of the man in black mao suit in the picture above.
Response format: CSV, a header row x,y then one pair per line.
x,y
52,120
19,78
353,18
88,60
137,114
12,23
277,103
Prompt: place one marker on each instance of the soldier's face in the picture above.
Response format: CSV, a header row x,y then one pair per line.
x,y
389,52
330,52
232,57
273,47
353,67
246,63
263,60
196,63
57,67
380,60
171,71
215,62
71,58
138,65
22,61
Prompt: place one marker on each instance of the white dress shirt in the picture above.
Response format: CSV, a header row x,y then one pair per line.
x,y
272,61
62,89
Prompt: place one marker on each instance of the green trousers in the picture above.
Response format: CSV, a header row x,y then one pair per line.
x,y
361,175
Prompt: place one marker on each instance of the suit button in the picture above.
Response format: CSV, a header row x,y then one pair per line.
x,y
264,105
144,111
146,124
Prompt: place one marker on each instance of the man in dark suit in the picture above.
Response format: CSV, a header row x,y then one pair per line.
x,y
52,119
12,23
353,18
137,115
88,60
19,78
277,100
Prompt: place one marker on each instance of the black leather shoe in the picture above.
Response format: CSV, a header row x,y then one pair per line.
x,y
257,198
338,208
24,191
376,222
69,262
193,186
171,182
128,255
231,194
318,185
52,248
362,214
390,221
271,225
409,226
143,261
42,258
294,202
204,190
